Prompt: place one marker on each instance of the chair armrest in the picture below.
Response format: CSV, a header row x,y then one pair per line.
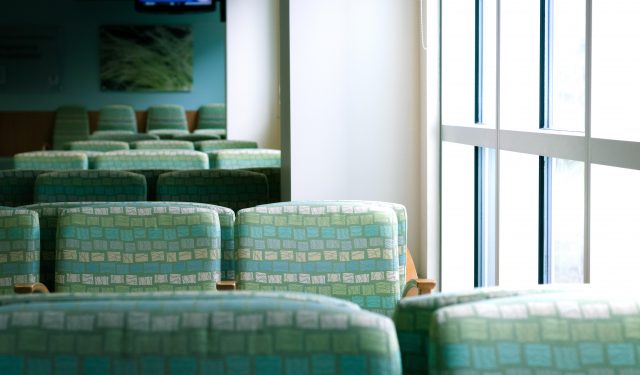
x,y
415,286
30,288
425,286
226,285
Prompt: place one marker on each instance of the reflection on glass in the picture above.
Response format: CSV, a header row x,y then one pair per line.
x,y
457,217
567,221
519,64
567,64
518,252
458,62
615,72
615,219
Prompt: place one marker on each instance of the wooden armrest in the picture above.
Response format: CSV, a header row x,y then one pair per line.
x,y
422,286
425,286
226,285
30,288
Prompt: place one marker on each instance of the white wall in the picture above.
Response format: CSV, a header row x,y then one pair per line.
x,y
354,104
253,71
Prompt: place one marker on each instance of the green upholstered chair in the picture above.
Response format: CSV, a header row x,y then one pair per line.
x,y
167,120
212,120
227,188
49,212
273,178
16,187
193,137
71,124
152,159
90,186
194,333
163,145
123,137
51,160
224,144
99,146
121,118
152,180
128,248
244,158
19,248
347,250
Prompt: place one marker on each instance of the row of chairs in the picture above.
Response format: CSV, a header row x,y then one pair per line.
x,y
235,189
351,250
148,159
204,146
118,122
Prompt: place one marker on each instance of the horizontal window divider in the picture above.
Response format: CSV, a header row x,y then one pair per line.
x,y
562,145
615,153
470,135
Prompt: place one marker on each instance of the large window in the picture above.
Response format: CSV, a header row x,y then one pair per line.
x,y
540,147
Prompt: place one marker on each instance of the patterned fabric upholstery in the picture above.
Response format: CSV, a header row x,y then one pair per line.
x,y
163,145
193,333
415,318
227,188
346,250
16,187
100,146
19,248
167,120
244,158
71,124
215,145
212,117
90,186
152,159
152,180
117,118
193,137
273,178
123,137
130,248
51,160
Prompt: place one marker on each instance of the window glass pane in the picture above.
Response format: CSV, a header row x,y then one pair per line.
x,y
457,217
487,226
519,64
567,221
518,251
615,72
458,62
489,62
567,64
615,215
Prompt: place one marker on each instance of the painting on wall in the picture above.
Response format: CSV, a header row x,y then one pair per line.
x,y
146,58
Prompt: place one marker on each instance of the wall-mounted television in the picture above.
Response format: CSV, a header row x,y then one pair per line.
x,y
175,6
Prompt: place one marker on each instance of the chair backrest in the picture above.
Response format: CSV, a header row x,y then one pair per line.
x,y
163,145
117,118
244,158
122,137
129,248
196,137
215,145
347,250
151,175
198,332
19,248
71,124
273,178
166,118
51,160
152,159
228,188
98,145
212,116
16,187
90,186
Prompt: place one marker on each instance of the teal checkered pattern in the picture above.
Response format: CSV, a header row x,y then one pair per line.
x,y
152,180
244,158
132,248
71,124
193,137
19,248
99,146
16,187
122,137
163,145
216,145
227,188
187,333
152,159
346,250
167,120
273,178
212,117
90,186
117,118
51,160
